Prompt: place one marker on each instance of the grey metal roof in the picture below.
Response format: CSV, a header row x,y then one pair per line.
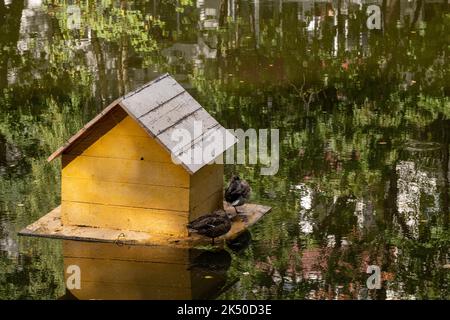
x,y
165,110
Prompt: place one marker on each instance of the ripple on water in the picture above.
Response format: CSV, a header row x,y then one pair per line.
x,y
421,146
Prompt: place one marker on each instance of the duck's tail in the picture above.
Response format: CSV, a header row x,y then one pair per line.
x,y
235,203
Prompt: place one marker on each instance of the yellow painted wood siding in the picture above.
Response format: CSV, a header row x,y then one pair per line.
x,y
206,191
124,218
125,180
127,140
131,171
125,194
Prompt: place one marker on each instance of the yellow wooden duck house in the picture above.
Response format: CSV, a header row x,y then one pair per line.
x,y
118,173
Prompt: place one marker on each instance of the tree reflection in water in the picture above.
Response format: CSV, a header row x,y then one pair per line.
x,y
363,118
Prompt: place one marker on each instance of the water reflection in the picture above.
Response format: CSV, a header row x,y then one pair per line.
x,y
111,271
363,117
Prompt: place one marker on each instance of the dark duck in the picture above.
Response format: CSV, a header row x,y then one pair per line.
x,y
237,193
211,225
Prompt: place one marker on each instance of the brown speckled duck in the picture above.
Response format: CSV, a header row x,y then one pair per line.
x,y
211,225
238,192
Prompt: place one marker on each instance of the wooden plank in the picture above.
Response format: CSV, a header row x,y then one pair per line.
x,y
124,194
124,218
206,188
213,144
128,140
172,112
129,127
203,120
128,147
208,205
206,181
83,130
50,226
152,96
127,171
95,132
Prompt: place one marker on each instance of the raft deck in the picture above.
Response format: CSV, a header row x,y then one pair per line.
x,y
50,226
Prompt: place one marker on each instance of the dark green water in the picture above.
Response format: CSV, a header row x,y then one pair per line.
x,y
364,119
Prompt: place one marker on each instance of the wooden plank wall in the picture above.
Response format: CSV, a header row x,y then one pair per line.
x,y
91,133
206,191
125,180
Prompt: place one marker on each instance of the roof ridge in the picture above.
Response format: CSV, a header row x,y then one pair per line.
x,y
139,89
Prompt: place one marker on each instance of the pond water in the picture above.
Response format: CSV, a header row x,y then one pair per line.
x,y
364,120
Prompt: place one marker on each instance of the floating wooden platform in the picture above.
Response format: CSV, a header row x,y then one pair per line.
x,y
50,226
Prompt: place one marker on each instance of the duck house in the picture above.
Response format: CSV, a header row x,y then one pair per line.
x,y
124,174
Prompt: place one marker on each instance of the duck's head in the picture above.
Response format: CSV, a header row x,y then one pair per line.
x,y
235,178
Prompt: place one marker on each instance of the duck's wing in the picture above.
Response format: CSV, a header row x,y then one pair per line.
x,y
217,221
231,193
221,225
208,225
199,222
246,189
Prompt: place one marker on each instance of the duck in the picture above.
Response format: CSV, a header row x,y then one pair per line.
x,y
238,192
211,225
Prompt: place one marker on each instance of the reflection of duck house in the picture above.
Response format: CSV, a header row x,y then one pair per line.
x,y
108,271
118,174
